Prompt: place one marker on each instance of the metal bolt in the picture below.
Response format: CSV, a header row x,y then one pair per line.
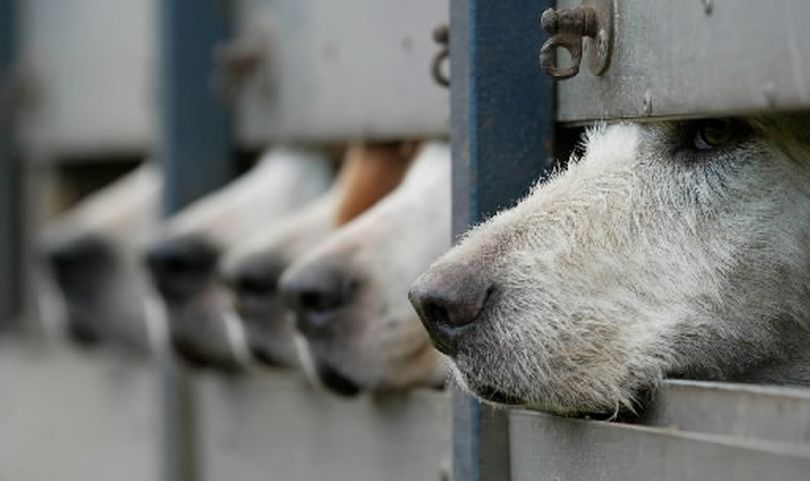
x,y
549,21
441,34
708,6
602,43
769,92
646,105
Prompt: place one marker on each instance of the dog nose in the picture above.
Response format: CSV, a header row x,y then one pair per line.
x,y
448,300
180,267
314,294
79,264
83,333
256,278
188,351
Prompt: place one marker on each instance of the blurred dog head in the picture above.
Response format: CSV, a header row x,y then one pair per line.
x,y
253,267
349,293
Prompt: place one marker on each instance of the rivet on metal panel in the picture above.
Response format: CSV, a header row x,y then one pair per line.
x,y
237,61
769,92
708,6
647,104
588,27
441,35
446,471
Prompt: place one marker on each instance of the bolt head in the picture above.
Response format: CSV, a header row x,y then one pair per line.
x,y
549,21
602,43
646,105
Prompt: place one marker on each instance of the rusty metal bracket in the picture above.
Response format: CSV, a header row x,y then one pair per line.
x,y
441,35
587,28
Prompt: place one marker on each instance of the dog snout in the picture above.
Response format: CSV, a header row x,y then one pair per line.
x,y
79,264
315,294
449,299
256,278
180,267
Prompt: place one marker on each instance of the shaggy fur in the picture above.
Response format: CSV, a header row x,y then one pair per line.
x,y
649,257
122,217
378,342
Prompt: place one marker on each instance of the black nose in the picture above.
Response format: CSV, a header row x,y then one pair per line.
x,y
256,278
181,267
315,293
337,382
83,333
81,264
449,300
189,352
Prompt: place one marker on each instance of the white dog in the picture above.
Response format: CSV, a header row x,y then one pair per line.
x,y
93,253
183,261
349,293
253,267
676,249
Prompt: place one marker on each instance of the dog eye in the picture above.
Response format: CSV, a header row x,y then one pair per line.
x,y
710,134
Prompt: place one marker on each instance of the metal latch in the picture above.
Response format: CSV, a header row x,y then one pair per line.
x,y
441,35
587,28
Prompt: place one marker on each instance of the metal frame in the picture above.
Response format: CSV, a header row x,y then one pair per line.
x,y
503,117
708,57
502,126
9,171
195,147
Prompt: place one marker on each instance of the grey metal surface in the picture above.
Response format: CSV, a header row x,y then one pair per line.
x,y
277,426
90,64
502,140
194,147
696,57
341,69
71,416
744,411
9,172
547,447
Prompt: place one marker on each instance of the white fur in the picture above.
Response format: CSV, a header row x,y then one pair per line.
x,y
644,260
280,183
125,215
379,342
267,322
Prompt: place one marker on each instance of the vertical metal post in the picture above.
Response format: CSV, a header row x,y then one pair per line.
x,y
195,149
9,172
502,131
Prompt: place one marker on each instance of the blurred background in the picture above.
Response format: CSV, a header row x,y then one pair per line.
x,y
91,90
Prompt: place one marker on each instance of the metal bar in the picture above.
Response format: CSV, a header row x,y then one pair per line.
x,y
744,411
331,76
502,128
546,447
195,148
195,133
699,58
273,422
9,172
